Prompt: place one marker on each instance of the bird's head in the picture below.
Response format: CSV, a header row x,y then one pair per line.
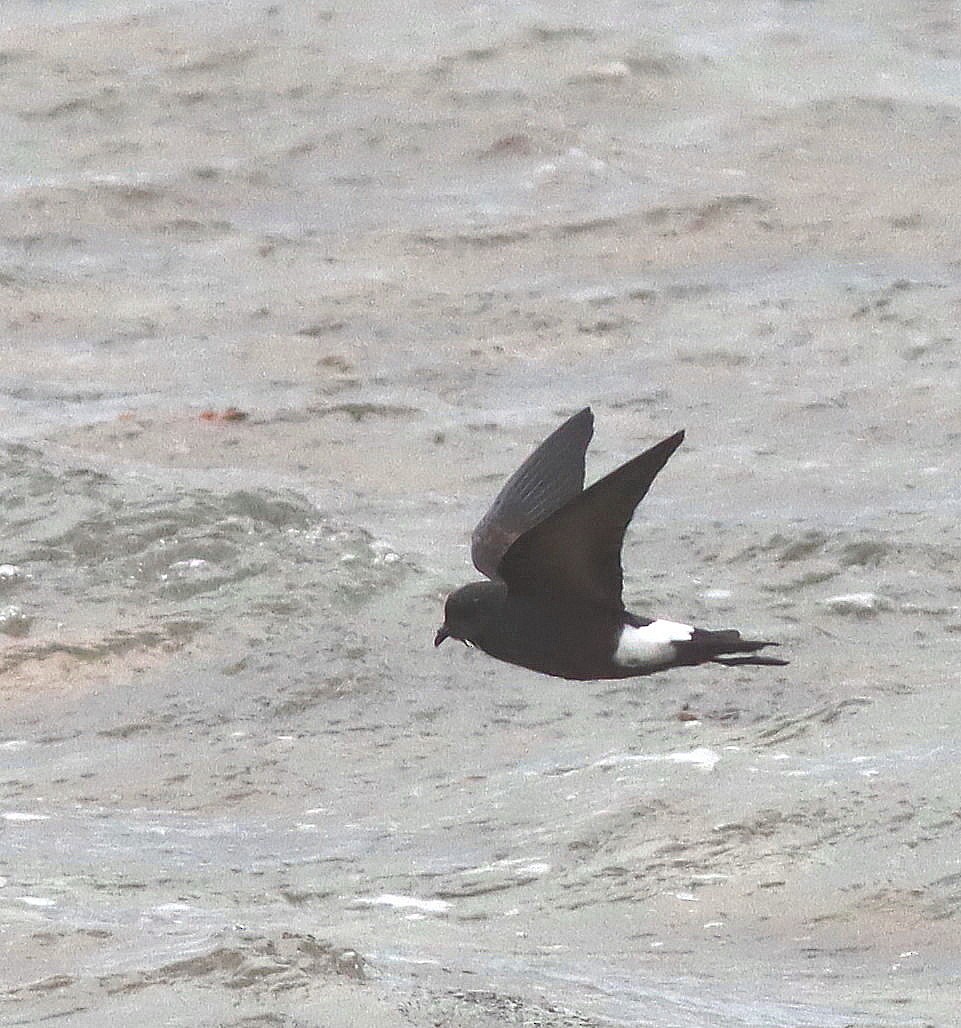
x,y
468,610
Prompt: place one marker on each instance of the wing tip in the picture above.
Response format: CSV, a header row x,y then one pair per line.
x,y
585,415
668,445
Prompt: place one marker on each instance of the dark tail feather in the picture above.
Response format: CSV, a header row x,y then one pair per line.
x,y
756,661
715,646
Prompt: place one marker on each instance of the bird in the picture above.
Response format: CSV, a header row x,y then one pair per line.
x,y
551,553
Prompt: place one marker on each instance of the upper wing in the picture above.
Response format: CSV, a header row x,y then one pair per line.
x,y
577,552
550,477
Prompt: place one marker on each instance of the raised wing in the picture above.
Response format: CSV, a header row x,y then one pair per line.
x,y
550,478
576,553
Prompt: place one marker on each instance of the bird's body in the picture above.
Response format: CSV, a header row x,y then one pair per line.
x,y
552,552
567,640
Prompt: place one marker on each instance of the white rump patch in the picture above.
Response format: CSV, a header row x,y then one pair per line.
x,y
650,645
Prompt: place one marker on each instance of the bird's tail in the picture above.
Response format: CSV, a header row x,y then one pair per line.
x,y
755,661
723,647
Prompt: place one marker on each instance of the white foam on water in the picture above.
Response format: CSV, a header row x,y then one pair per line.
x,y
389,899
702,758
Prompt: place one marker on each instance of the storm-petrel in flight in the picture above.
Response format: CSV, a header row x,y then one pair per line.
x,y
552,552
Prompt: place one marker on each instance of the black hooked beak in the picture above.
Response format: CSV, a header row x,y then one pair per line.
x,y
442,633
